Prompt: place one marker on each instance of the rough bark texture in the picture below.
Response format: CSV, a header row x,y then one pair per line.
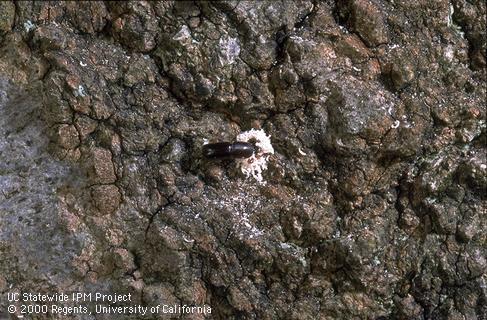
x,y
375,202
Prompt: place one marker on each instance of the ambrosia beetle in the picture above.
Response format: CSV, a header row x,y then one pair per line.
x,y
228,150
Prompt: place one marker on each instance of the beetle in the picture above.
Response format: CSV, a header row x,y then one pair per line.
x,y
228,150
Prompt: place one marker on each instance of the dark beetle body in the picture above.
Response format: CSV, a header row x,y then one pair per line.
x,y
228,150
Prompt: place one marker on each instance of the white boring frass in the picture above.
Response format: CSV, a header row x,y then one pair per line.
x,y
254,165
